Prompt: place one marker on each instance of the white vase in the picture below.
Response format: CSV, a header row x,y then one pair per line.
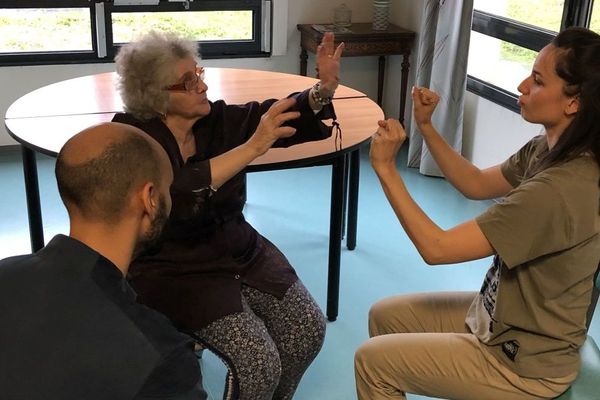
x,y
381,14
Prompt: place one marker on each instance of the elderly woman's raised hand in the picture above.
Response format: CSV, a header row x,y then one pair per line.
x,y
385,144
424,103
270,127
328,64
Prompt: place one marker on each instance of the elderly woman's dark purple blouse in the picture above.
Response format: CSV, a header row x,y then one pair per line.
x,y
209,250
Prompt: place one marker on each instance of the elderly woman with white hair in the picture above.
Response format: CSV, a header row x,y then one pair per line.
x,y
213,275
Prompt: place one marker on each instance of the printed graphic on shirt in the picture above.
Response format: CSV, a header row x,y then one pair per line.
x,y
489,289
510,348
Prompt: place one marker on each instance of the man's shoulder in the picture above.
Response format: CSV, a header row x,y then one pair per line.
x,y
16,263
61,250
53,298
15,269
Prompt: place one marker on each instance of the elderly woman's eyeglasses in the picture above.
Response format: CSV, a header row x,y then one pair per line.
x,y
189,84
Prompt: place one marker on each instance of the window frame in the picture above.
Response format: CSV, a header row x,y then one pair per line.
x,y
208,49
575,13
52,57
104,50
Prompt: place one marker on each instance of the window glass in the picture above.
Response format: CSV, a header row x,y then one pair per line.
x,y
500,63
543,13
595,23
196,25
45,29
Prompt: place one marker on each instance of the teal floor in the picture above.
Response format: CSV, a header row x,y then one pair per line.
x,y
291,208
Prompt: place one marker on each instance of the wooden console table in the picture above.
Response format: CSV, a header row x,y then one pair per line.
x,y
364,41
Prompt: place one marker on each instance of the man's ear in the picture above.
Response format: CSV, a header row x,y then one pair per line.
x,y
572,105
149,197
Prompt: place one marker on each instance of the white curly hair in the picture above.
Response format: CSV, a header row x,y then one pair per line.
x,y
146,66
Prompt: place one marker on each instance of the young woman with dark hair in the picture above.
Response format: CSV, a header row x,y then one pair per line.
x,y
519,336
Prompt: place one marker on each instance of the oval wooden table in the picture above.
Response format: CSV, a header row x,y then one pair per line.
x,y
44,119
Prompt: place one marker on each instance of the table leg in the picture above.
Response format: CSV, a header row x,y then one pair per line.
x,y
353,199
335,237
32,193
403,86
345,193
303,62
380,78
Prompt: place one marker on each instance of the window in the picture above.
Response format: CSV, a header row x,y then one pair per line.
x,y
28,30
546,14
507,35
501,63
75,31
201,25
595,22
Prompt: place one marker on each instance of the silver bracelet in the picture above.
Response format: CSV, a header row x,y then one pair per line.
x,y
316,95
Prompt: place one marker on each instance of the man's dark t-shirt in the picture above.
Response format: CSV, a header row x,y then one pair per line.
x,y
71,329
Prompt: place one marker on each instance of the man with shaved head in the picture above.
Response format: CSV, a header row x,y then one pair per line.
x,y
71,328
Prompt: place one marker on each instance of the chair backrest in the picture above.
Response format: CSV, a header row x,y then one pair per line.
x,y
595,293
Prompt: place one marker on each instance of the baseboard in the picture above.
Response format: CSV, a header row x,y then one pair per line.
x,y
10,149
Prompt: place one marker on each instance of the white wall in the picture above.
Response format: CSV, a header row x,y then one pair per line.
x,y
492,133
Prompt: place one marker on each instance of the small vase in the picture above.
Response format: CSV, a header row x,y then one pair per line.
x,y
342,16
381,13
